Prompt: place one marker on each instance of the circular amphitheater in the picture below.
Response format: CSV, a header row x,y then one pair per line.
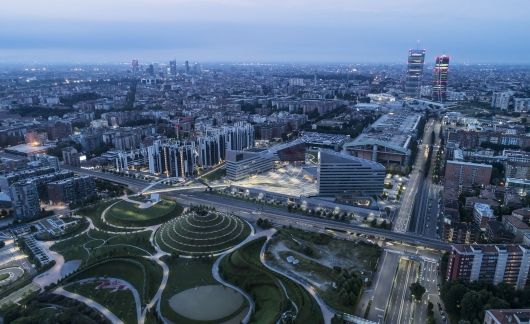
x,y
202,232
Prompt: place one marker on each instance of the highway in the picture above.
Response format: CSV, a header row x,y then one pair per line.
x,y
248,209
429,280
415,181
426,220
278,215
379,294
400,307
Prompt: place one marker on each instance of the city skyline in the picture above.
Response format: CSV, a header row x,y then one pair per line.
x,y
240,31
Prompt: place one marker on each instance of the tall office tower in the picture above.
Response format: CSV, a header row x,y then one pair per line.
x,y
187,67
176,159
173,67
151,69
414,73
439,86
135,67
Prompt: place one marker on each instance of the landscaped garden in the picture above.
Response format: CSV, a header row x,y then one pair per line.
x,y
126,213
202,232
275,296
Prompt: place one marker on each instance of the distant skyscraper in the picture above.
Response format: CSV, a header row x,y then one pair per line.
x,y
173,67
135,67
439,86
187,67
414,72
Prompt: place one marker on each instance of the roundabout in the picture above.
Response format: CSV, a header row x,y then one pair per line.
x,y
202,232
9,275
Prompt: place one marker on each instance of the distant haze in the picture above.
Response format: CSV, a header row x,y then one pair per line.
x,y
106,31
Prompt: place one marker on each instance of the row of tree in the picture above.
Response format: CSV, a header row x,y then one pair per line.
x,y
469,301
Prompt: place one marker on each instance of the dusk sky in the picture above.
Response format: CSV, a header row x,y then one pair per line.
x,y
101,31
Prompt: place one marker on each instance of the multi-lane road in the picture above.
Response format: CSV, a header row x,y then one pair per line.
x,y
400,307
426,220
406,210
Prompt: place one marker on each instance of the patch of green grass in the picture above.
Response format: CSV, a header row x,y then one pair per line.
x,y
4,276
98,244
244,269
185,274
143,274
215,175
120,303
125,213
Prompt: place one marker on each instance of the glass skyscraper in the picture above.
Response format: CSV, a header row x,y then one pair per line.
x,y
414,73
439,86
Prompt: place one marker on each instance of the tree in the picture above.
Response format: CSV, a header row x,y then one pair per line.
x,y
417,290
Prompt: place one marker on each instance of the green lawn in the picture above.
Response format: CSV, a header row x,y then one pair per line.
x,y
120,303
244,269
215,175
123,244
4,276
186,235
185,274
126,213
143,274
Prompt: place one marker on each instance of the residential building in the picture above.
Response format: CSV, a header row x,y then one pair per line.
x,y
466,175
490,264
25,197
507,316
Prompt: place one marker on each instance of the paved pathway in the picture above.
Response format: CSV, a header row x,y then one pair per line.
x,y
327,313
103,310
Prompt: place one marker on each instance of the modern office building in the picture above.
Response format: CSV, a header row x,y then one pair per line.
x,y
172,159
242,164
414,76
25,198
490,264
340,173
439,86
72,190
466,175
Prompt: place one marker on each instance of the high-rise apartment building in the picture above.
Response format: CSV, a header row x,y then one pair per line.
x,y
72,190
135,67
439,86
341,173
213,145
173,159
490,264
25,198
415,63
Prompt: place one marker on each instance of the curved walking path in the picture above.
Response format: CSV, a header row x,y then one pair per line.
x,y
89,302
327,313
165,276
217,276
